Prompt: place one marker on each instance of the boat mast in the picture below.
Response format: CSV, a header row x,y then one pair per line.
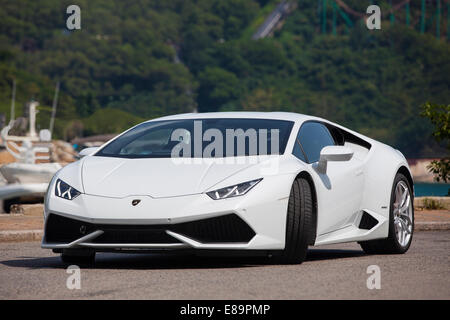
x,y
13,100
32,118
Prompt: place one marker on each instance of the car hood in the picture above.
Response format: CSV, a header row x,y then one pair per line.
x,y
156,177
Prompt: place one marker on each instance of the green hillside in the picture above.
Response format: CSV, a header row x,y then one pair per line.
x,y
122,66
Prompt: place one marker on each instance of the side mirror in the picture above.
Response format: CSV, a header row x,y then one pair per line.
x,y
333,153
88,151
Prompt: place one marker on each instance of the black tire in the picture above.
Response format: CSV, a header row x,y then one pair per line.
x,y
299,223
391,245
78,256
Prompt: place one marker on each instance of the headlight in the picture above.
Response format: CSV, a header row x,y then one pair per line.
x,y
63,190
233,191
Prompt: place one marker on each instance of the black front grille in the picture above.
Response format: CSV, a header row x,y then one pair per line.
x,y
227,228
134,235
62,229
222,229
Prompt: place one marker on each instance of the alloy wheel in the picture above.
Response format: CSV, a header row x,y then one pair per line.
x,y
403,225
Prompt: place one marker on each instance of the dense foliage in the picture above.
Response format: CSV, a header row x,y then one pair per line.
x,y
151,58
439,115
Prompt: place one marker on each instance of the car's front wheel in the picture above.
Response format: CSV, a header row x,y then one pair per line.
x,y
299,222
401,221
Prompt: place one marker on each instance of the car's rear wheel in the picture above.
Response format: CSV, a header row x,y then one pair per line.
x,y
401,221
299,223
78,256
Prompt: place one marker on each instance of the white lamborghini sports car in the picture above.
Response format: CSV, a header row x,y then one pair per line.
x,y
235,182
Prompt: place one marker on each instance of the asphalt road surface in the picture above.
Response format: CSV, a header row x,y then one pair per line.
x,y
330,272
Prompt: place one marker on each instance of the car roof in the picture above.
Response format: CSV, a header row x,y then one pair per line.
x,y
246,115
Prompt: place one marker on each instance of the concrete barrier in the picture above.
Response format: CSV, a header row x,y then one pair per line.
x,y
21,235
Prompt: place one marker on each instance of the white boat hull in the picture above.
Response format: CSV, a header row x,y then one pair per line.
x,y
24,173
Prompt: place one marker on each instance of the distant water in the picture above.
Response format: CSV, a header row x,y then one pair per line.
x,y
431,189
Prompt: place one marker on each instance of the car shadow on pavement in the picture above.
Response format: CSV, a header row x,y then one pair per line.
x,y
171,261
138,261
329,254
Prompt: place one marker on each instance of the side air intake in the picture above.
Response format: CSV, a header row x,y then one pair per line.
x,y
367,221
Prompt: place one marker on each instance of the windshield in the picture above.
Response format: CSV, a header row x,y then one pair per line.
x,y
201,138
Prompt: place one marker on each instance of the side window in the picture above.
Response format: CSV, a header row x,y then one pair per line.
x,y
313,136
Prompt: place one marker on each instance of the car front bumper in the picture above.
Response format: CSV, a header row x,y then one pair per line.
x,y
256,221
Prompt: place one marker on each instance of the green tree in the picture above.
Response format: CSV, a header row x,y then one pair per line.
x,y
217,86
109,120
261,100
439,115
